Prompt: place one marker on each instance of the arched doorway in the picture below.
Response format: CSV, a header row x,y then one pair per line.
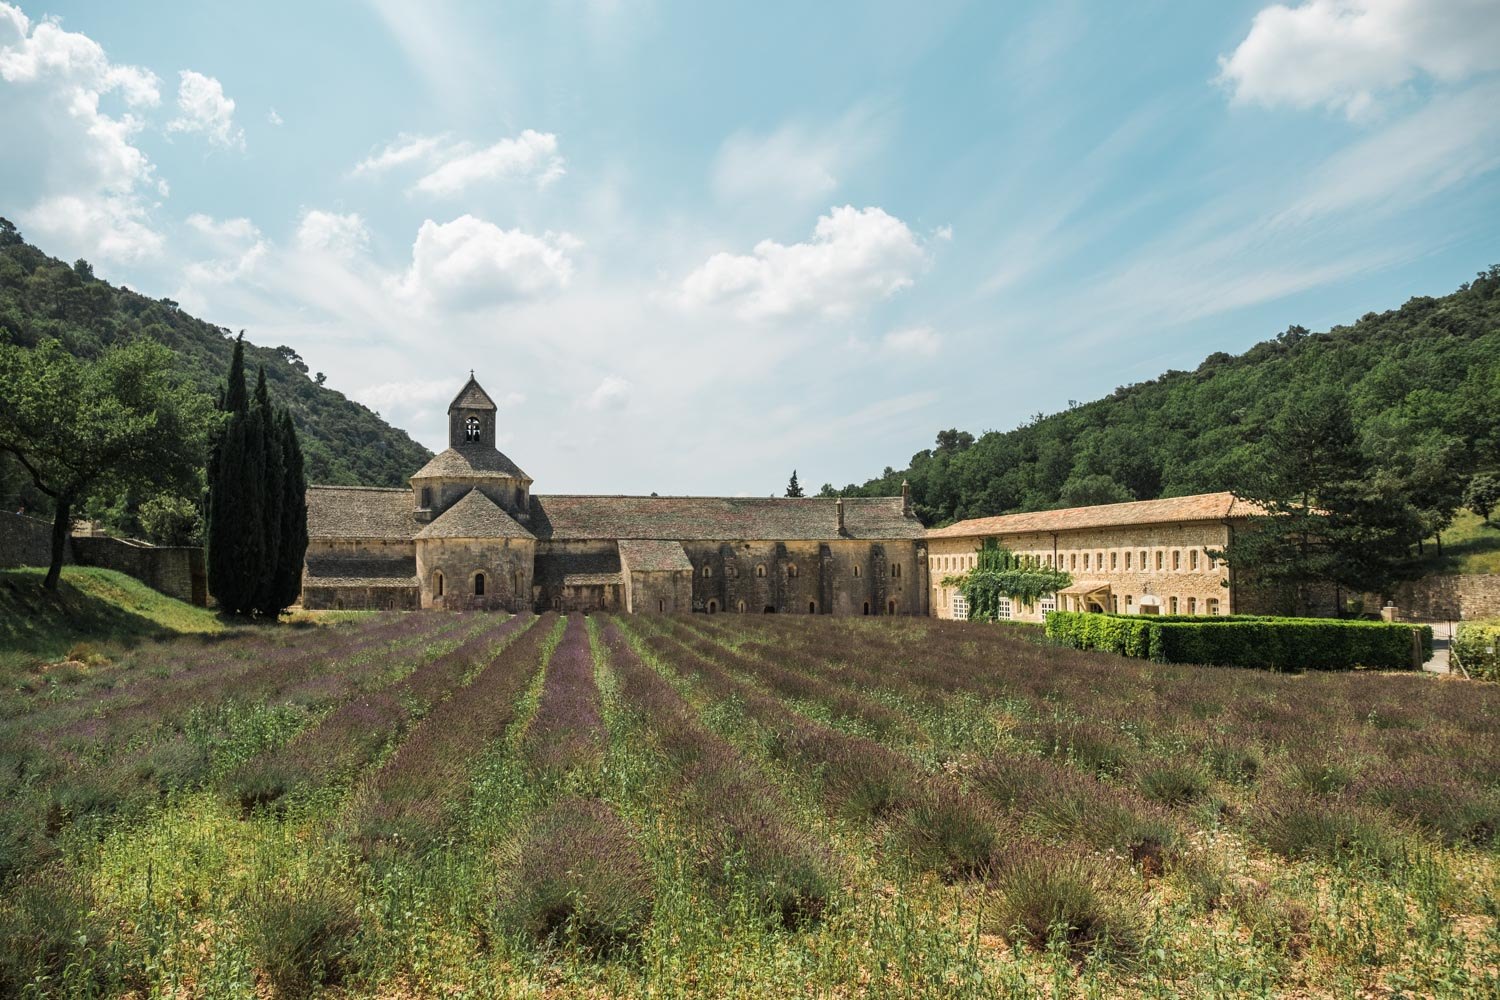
x,y
890,607
713,607
867,607
812,607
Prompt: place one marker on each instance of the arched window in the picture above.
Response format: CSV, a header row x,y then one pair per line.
x,y
1193,560
791,571
896,570
471,429
1213,605
856,573
760,571
713,606
1177,559
812,607
478,584
740,607
708,571
1172,605
890,606
1192,605
867,607
661,604
437,584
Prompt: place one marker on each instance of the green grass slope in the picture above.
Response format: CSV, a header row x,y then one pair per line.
x,y
1470,545
98,607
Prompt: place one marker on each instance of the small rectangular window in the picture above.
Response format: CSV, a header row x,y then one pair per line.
x,y
1177,559
1192,605
1161,559
960,608
1193,559
1085,560
1048,604
1172,604
1127,560
1114,560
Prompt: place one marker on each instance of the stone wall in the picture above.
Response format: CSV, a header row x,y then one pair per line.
x,y
26,541
505,562
360,598
659,592
177,571
1444,598
841,577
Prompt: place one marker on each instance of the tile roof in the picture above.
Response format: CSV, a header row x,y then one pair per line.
x,y
471,462
474,516
718,518
560,567
361,572
359,512
472,397
590,579
1201,507
652,556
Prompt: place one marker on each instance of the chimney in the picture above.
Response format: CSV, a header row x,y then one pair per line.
x,y
839,506
905,498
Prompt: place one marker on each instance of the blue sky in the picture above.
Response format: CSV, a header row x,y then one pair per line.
x,y
688,247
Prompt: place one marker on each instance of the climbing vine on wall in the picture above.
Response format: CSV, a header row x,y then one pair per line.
x,y
998,573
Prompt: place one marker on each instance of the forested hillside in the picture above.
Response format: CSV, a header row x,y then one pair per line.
x,y
1423,384
41,297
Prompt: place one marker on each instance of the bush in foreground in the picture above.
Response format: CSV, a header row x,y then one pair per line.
x,y
302,937
1048,899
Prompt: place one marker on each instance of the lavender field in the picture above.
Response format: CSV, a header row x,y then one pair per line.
x,y
480,805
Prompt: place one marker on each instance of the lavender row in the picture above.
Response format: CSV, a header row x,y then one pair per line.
x,y
568,727
355,733
733,814
411,797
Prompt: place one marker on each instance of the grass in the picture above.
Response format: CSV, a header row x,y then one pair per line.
x,y
743,806
1470,545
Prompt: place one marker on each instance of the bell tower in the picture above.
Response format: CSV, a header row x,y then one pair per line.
x,y
471,418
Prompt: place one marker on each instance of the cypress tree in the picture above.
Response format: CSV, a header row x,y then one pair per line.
x,y
228,514
268,487
293,545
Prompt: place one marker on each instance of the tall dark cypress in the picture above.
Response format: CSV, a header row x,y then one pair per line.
x,y
293,518
228,517
268,487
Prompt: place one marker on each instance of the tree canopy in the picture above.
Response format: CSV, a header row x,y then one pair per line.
x,y
85,428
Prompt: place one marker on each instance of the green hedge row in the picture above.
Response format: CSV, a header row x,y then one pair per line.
x,y
1478,647
1244,640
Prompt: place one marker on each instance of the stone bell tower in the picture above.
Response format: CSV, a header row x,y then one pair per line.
x,y
471,418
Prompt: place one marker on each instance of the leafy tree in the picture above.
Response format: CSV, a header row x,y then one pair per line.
x,y
1482,495
794,488
1332,522
1086,491
82,428
167,519
998,573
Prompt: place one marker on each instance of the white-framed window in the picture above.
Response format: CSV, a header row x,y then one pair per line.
x,y
1002,608
1213,605
960,608
1048,603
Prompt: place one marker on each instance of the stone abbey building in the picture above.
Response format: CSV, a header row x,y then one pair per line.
x,y
470,533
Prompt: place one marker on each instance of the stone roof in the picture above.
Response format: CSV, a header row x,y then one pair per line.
x,y
1200,507
474,516
590,579
361,572
652,556
471,462
472,397
718,518
561,567
359,512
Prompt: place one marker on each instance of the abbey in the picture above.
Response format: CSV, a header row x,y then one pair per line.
x,y
470,533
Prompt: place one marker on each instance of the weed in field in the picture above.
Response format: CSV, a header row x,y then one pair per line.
x,y
1045,898
302,936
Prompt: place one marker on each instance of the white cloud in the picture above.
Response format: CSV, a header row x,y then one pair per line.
x,y
855,257
531,154
236,245
404,149
798,164
1345,54
203,108
915,341
341,235
612,393
79,183
273,118
468,263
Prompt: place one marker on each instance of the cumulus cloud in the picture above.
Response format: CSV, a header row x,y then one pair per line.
x,y
612,393
236,246
469,263
915,341
1344,54
855,257
79,182
450,167
203,108
341,235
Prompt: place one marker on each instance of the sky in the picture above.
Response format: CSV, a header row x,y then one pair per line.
x,y
690,247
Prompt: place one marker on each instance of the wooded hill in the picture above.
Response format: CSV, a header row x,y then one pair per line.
x,y
41,297
1423,384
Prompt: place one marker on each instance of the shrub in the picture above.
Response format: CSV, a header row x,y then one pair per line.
x,y
579,879
1301,827
1245,641
1045,898
1173,784
50,930
946,832
301,937
1477,645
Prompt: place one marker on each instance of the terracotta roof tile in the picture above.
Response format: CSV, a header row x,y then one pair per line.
x,y
1200,507
359,512
475,516
718,518
652,556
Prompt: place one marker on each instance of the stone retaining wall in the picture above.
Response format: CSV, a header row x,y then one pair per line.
x,y
1456,598
177,571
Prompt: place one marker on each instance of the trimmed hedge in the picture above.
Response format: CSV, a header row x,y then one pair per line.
x,y
1477,644
1244,640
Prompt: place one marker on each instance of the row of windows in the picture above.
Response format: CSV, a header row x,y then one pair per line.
x,y
426,498
1133,559
1175,606
1003,609
733,572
